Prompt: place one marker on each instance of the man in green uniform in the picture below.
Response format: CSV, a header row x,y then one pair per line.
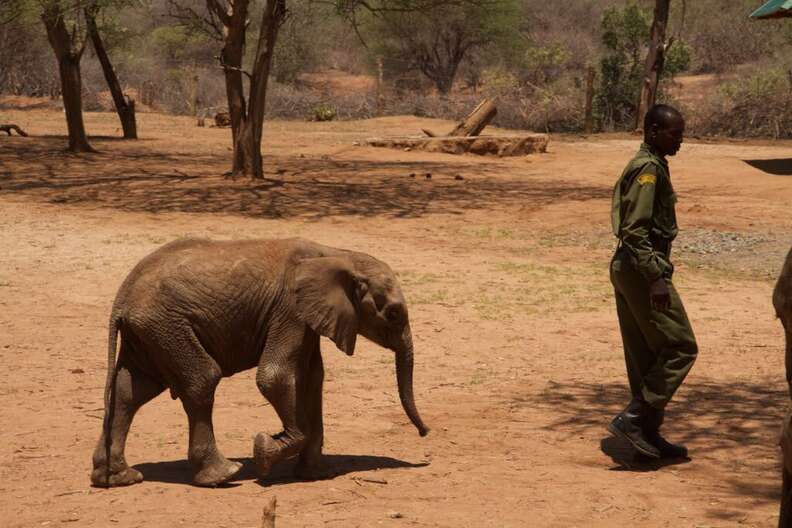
x,y
659,346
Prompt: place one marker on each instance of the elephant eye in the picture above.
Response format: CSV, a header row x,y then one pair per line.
x,y
394,314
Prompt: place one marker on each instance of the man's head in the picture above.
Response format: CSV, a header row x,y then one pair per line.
x,y
664,128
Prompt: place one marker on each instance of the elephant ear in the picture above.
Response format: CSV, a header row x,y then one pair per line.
x,y
325,289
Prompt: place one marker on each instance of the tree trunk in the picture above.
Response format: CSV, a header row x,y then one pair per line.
x,y
71,88
247,145
125,107
68,52
475,122
247,152
231,60
655,59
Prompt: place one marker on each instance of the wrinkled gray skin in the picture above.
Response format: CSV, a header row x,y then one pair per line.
x,y
195,311
782,301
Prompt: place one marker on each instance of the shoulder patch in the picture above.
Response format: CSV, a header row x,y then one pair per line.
x,y
647,179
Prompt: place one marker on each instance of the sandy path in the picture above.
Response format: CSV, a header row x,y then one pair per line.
x,y
519,361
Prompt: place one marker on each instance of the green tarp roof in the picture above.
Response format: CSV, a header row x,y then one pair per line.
x,y
774,9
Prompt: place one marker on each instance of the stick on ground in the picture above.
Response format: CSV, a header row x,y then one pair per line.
x,y
268,515
8,128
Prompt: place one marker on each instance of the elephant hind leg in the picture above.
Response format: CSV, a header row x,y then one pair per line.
x,y
195,386
132,389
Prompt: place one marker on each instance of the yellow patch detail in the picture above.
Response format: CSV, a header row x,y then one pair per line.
x,y
647,179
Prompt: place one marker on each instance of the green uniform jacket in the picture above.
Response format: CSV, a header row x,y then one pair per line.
x,y
643,215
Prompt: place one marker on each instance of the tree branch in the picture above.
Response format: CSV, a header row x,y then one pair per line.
x,y
225,66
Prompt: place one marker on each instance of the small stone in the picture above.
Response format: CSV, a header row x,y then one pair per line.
x,y
77,371
407,149
395,515
412,175
428,175
458,177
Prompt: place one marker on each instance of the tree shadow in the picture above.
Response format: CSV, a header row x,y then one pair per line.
x,y
180,471
133,177
778,167
734,424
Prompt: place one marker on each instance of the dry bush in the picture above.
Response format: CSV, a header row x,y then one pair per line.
x,y
556,108
758,105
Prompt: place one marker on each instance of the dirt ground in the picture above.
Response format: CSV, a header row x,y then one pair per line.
x,y
519,363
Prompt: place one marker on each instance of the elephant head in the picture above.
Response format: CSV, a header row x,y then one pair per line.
x,y
347,294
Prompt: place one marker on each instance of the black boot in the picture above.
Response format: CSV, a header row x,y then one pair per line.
x,y
628,425
653,420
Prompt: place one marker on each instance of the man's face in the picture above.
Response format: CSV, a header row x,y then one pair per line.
x,y
667,136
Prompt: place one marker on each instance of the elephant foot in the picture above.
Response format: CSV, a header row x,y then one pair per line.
x,y
266,451
217,473
124,477
314,470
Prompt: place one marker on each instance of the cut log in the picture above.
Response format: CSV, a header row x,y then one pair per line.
x,y
8,128
475,122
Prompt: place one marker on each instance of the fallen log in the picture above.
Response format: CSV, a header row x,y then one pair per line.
x,y
475,122
8,128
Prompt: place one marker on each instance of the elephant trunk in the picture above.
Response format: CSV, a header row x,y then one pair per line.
x,y
404,377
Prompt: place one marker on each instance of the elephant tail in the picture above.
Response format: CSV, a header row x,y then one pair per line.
x,y
109,395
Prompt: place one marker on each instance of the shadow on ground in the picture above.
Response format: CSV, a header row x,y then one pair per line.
x,y
137,178
735,425
778,167
180,471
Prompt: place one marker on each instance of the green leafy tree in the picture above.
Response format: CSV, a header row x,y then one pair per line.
x,y
624,33
678,58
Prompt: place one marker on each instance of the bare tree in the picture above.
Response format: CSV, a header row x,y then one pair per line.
x,y
655,60
435,36
68,45
125,106
228,21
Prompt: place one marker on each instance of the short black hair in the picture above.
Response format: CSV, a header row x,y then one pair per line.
x,y
659,115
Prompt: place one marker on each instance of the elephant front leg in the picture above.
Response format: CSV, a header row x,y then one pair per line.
x,y
280,387
310,466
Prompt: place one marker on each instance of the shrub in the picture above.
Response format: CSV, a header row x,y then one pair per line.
x,y
323,112
759,105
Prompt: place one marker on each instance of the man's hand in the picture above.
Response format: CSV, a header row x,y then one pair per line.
x,y
659,295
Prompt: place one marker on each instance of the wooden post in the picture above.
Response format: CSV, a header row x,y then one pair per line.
x,y
194,101
268,514
475,122
588,125
380,95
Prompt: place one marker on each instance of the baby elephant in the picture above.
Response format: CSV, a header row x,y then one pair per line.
x,y
782,301
196,310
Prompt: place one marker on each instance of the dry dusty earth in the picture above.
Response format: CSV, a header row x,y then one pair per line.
x,y
519,361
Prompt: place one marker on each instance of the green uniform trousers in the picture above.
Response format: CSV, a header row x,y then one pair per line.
x,y
659,346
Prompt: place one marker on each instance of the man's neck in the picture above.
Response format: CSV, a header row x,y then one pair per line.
x,y
654,150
